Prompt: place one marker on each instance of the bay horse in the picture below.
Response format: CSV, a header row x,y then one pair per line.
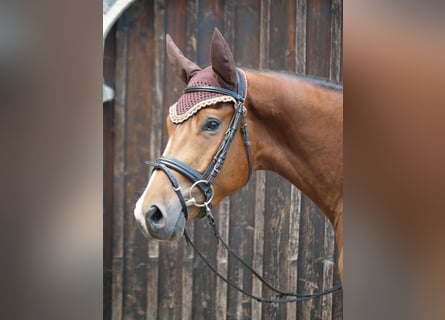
x,y
295,128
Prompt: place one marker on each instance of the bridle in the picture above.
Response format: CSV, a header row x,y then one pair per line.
x,y
204,182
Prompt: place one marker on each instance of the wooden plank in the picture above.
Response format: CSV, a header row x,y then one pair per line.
x,y
260,176
276,239
335,61
152,270
328,268
223,215
210,15
107,208
170,276
240,240
187,278
318,38
300,36
336,41
335,73
337,299
108,166
264,34
229,30
282,35
326,301
246,48
138,109
192,30
310,269
204,281
176,24
258,240
117,289
294,228
118,168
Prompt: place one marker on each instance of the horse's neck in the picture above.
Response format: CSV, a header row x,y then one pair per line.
x,y
297,132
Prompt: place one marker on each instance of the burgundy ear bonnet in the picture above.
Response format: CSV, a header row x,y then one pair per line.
x,y
191,102
222,73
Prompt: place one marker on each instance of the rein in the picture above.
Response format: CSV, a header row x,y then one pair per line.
x,y
281,294
204,182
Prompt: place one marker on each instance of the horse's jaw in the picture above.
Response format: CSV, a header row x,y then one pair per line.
x,y
159,222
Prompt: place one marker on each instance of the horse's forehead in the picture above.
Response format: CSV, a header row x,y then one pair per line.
x,y
190,103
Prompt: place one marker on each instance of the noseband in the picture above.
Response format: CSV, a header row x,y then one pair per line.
x,y
204,182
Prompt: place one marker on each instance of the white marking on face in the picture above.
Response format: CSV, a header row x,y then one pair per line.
x,y
139,214
167,146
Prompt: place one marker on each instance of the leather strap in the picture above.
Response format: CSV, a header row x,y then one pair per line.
x,y
158,165
215,90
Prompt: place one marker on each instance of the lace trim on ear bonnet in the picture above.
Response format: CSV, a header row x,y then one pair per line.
x,y
178,118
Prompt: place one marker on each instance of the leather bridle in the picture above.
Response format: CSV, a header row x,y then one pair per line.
x,y
204,182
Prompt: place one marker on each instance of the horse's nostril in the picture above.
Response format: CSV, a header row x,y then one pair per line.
x,y
154,217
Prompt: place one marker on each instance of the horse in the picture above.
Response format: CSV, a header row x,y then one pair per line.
x,y
230,121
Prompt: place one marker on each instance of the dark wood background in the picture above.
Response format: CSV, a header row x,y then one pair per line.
x,y
269,222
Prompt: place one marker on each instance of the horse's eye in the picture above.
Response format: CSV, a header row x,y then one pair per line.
x,y
211,125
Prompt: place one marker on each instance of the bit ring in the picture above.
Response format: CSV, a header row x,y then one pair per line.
x,y
205,203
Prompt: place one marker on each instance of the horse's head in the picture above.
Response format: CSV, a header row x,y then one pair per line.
x,y
202,126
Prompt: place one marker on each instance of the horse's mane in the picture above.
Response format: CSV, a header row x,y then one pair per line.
x,y
321,82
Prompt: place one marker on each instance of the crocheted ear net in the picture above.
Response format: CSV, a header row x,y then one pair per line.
x,y
191,102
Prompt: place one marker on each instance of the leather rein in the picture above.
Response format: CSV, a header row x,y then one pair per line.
x,y
204,182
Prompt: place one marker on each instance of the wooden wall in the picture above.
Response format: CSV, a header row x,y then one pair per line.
x,y
269,222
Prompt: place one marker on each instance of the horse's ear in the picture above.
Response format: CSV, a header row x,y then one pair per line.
x,y
183,67
223,63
